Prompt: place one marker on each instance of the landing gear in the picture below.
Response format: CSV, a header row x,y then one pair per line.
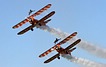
x,y
40,24
58,57
67,52
33,25
32,29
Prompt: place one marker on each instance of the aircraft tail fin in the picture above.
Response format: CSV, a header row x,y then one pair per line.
x,y
47,20
72,49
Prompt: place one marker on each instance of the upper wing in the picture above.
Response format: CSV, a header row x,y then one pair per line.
x,y
68,38
58,45
52,58
40,21
41,10
73,44
28,18
21,23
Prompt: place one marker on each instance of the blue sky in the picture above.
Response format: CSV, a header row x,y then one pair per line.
x,y
85,17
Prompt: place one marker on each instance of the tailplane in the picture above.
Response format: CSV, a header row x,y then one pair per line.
x,y
47,20
72,49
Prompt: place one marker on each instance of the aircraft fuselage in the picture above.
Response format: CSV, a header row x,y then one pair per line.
x,y
36,22
63,51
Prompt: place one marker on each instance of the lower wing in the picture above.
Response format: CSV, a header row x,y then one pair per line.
x,y
73,44
26,29
47,16
52,58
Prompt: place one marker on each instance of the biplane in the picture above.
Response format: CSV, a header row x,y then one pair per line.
x,y
34,22
61,50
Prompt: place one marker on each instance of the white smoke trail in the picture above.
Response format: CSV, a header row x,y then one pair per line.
x,y
83,62
91,48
